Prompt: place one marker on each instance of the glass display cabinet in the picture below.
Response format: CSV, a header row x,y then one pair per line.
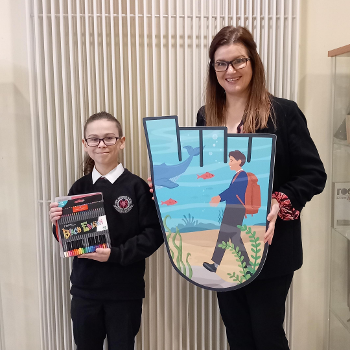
x,y
339,311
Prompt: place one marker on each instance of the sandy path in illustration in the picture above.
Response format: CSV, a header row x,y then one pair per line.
x,y
203,252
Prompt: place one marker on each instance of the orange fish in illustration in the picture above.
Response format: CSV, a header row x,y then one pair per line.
x,y
169,202
205,176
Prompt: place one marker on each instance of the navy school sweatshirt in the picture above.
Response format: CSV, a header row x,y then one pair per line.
x,y
135,235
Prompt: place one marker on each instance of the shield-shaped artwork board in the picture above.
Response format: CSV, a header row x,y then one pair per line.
x,y
213,192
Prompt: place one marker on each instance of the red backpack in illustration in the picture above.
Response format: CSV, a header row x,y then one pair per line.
x,y
252,196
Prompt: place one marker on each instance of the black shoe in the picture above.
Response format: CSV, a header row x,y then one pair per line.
x,y
210,267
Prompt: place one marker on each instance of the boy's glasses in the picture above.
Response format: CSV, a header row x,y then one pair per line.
x,y
108,141
238,63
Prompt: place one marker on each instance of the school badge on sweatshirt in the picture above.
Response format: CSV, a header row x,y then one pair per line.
x,y
213,192
123,204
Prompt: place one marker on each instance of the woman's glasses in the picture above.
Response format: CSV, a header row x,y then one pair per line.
x,y
238,63
108,141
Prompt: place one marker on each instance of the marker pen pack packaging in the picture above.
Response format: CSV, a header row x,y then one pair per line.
x,y
83,225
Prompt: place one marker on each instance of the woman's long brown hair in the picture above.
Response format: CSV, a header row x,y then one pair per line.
x,y
258,108
89,163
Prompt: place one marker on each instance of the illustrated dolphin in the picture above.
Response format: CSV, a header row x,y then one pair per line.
x,y
164,173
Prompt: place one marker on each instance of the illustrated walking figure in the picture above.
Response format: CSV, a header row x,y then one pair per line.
x,y
234,212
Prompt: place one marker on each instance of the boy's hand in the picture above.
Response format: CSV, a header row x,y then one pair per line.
x,y
101,255
55,212
215,201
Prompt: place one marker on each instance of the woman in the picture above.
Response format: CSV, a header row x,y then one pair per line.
x,y
237,98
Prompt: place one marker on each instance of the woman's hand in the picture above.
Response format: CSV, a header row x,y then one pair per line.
x,y
55,212
272,217
150,184
101,255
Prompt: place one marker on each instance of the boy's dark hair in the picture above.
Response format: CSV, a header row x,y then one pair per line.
x,y
89,163
238,156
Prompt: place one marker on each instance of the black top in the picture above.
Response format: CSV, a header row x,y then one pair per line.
x,y
135,234
298,173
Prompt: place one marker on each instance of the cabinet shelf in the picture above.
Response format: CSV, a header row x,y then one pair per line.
x,y
344,322
345,232
341,142
343,51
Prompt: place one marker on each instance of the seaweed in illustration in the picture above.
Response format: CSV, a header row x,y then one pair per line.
x,y
185,269
246,271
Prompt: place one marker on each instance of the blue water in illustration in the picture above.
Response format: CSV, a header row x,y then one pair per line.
x,y
192,195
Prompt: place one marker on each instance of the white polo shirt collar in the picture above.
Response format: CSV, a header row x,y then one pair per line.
x,y
112,176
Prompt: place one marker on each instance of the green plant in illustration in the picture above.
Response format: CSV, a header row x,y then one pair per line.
x,y
187,271
168,231
179,263
190,272
255,244
245,271
189,221
244,274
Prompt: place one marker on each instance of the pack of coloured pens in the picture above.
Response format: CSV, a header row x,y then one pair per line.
x,y
83,225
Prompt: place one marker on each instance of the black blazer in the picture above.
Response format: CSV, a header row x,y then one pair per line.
x,y
298,173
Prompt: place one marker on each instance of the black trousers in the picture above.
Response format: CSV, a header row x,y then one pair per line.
x,y
254,315
93,320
